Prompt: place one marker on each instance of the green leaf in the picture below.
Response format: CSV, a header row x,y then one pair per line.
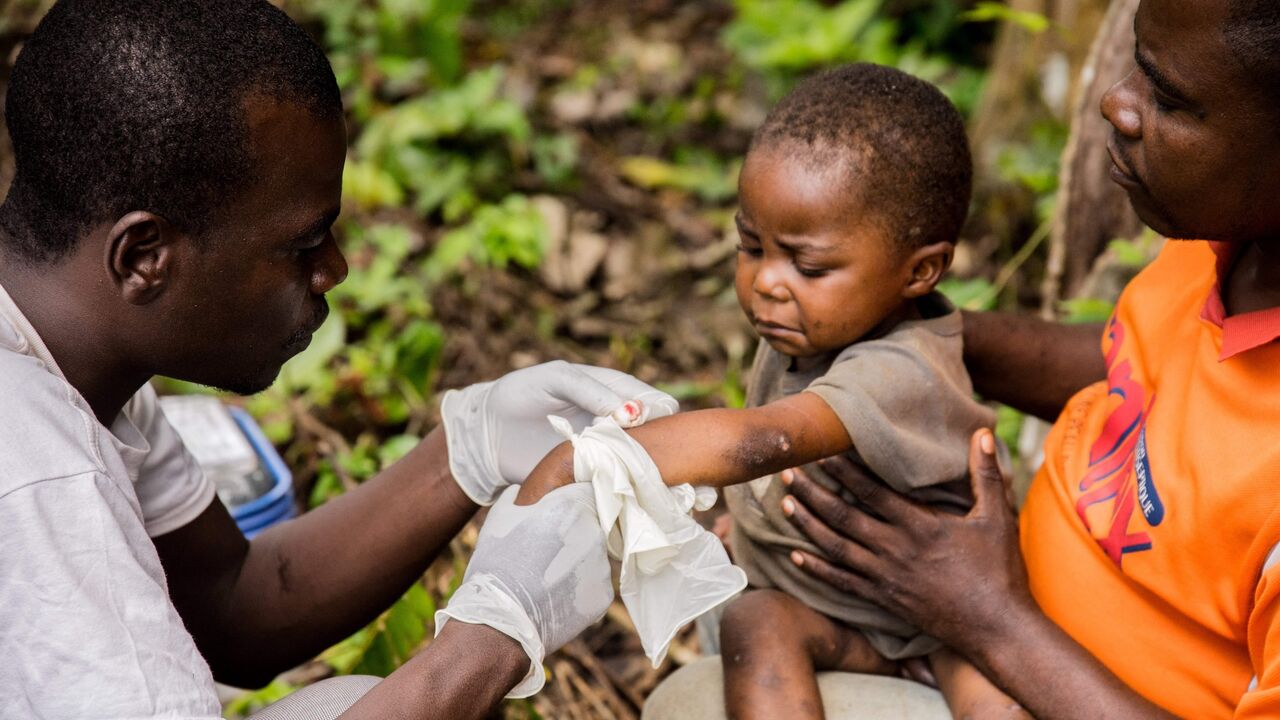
x,y
388,642
1128,253
370,187
1009,426
1086,310
971,294
311,367
396,447
256,700
700,175
497,235
999,12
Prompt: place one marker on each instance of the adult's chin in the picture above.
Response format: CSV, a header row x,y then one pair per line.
x,y
1154,215
249,385
252,379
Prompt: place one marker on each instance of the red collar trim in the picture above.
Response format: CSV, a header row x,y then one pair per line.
x,y
1240,333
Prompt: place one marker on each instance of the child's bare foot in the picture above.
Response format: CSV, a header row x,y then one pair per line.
x,y
969,694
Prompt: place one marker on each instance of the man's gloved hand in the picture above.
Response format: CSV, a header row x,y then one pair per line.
x,y
539,575
498,431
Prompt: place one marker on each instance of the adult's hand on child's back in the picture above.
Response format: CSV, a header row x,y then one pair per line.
x,y
958,578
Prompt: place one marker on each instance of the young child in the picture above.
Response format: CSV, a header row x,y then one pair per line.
x,y
852,196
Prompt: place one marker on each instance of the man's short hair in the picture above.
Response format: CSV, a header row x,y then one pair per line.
x,y
123,105
901,143
1252,32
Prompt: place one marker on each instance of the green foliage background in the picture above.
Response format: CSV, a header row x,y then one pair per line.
x,y
464,116
444,159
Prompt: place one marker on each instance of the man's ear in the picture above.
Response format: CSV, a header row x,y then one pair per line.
x,y
926,266
141,256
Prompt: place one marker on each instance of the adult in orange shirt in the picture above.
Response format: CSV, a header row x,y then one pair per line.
x,y
1147,576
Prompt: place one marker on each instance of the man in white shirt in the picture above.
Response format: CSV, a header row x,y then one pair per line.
x,y
179,166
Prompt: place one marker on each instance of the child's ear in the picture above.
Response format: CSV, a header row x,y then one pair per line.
x,y
927,265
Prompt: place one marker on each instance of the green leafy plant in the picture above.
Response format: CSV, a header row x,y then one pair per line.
x,y
1000,12
784,38
386,643
498,235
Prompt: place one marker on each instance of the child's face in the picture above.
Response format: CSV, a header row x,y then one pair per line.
x,y
815,272
1194,140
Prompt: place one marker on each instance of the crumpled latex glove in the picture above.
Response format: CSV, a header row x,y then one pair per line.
x,y
539,574
497,431
673,569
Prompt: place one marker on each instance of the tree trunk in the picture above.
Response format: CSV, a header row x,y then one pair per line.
x,y
1034,78
1092,210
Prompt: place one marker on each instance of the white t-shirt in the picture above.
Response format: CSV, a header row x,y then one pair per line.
x,y
87,629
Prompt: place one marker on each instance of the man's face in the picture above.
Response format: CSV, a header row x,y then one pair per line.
x,y
1194,143
813,274
254,292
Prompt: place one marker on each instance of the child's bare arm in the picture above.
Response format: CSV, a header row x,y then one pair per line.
x,y
719,447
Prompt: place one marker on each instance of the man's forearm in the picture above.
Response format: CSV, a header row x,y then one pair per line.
x,y
314,580
1052,676
463,674
1031,364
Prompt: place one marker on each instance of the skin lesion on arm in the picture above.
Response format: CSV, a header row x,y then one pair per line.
x,y
718,447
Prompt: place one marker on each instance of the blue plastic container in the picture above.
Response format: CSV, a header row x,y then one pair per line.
x,y
276,505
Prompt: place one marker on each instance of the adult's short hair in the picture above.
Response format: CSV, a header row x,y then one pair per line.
x,y
1252,32
899,142
123,105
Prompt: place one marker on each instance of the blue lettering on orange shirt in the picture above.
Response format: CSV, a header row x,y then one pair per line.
x,y
1148,497
1113,459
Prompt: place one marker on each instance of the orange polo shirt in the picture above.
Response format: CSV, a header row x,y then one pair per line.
x,y
1151,532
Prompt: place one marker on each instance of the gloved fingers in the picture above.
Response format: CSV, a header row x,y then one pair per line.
x,y
575,386
655,403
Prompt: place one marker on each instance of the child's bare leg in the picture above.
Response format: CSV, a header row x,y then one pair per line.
x,y
773,646
969,694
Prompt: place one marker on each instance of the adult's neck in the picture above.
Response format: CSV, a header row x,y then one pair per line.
x,y
1253,282
70,314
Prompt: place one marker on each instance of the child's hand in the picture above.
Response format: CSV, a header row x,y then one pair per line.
x,y
555,470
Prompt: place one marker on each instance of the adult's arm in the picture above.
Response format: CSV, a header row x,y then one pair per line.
x,y
257,609
462,675
1031,364
541,575
960,579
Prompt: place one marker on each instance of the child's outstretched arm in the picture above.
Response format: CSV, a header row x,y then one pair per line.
x,y
719,447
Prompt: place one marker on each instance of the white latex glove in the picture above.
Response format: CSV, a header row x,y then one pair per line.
x,y
673,570
498,431
539,575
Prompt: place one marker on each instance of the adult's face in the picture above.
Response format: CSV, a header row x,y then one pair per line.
x,y
1195,142
252,292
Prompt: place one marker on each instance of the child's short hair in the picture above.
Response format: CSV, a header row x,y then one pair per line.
x,y
902,142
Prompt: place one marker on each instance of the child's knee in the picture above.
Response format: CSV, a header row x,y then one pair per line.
x,y
756,617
